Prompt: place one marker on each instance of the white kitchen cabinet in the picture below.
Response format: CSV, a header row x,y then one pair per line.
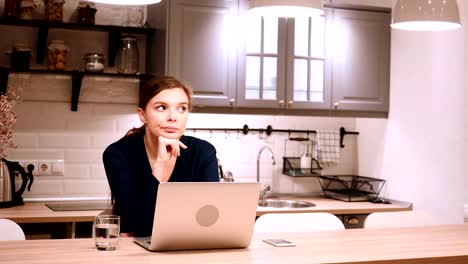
x,y
361,60
200,46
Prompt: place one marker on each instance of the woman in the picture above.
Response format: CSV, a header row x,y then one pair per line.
x,y
156,152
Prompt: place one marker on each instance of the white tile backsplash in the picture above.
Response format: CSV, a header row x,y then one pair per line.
x,y
49,130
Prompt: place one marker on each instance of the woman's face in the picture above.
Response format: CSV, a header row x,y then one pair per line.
x,y
166,113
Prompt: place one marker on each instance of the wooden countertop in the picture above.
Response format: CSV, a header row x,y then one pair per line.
x,y
415,245
39,213
35,212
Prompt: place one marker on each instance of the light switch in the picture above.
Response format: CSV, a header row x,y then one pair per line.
x,y
58,167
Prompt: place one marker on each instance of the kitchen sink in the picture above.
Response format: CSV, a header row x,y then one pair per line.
x,y
284,203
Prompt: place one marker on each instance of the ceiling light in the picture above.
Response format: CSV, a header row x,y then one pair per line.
x,y
127,2
286,8
426,15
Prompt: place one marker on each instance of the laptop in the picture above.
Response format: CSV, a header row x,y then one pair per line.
x,y
203,215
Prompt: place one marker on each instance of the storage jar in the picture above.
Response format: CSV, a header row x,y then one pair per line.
x,y
20,57
127,56
57,55
53,10
94,62
26,9
86,13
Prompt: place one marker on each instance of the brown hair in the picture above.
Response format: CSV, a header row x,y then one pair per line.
x,y
153,87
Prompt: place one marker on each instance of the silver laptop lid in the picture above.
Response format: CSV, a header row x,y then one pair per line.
x,y
204,215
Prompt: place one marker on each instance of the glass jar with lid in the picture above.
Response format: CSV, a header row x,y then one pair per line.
x,y
57,55
53,10
94,62
26,8
126,60
86,13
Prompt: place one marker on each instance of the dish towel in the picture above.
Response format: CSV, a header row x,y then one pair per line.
x,y
328,147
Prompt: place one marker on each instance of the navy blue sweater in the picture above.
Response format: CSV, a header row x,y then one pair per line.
x,y
134,187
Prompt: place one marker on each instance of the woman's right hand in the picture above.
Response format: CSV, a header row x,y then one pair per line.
x,y
169,148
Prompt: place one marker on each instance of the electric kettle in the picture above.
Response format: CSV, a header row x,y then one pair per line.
x,y
9,196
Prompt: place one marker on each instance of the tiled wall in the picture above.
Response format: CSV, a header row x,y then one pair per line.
x,y
47,130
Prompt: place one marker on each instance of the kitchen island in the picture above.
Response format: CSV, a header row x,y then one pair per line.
x,y
411,245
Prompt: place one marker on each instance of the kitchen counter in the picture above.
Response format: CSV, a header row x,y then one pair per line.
x,y
336,207
411,245
37,212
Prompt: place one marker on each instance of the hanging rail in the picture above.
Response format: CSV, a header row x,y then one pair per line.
x,y
269,130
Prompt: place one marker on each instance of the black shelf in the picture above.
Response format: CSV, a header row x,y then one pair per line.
x,y
77,79
75,26
44,26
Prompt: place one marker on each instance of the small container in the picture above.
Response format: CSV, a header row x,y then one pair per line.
x,y
20,57
53,10
86,13
57,55
126,59
94,62
26,9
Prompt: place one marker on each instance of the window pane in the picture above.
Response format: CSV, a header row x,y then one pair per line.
x,y
300,80
301,36
254,34
269,78
270,28
252,78
317,37
316,80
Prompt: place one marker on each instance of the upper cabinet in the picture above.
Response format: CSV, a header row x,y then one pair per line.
x,y
336,62
360,43
201,47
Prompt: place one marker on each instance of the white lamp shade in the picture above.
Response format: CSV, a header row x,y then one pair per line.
x,y
127,2
426,15
286,8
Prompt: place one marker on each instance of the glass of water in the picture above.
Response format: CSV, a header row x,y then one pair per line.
x,y
106,232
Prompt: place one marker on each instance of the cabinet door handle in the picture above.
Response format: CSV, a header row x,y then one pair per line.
x,y
336,105
232,102
281,103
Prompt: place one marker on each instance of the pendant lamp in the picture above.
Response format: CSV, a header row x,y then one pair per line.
x,y
426,15
286,8
127,2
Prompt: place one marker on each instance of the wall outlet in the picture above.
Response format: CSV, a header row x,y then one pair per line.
x,y
44,168
25,164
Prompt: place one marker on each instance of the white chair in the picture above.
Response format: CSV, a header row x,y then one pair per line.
x,y
10,230
399,219
296,222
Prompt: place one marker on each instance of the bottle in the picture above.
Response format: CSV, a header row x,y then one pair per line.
x,y
127,56
306,159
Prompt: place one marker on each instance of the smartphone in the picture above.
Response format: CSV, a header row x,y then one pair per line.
x,y
279,242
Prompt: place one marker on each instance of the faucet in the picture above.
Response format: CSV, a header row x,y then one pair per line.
x,y
267,187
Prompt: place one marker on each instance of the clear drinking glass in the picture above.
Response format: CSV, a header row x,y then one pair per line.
x,y
106,232
127,56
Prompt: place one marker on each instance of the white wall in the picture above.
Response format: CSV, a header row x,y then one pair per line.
x,y
422,152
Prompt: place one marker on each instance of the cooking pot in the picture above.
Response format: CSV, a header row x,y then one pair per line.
x,y
9,196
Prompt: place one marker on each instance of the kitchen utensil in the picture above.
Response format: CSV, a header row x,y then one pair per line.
x,y
8,195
